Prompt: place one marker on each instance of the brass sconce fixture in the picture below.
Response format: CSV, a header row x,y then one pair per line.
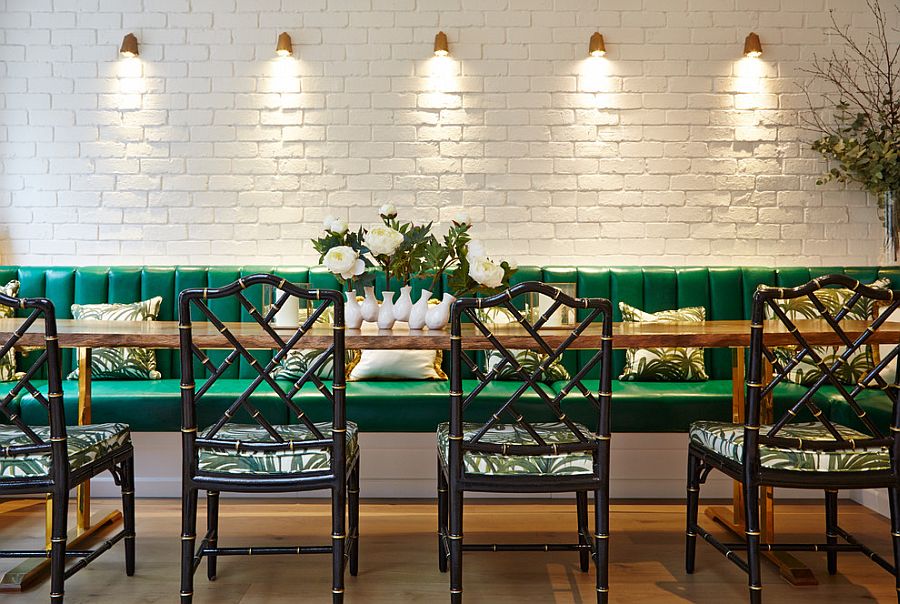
x,y
441,47
285,47
129,46
597,46
752,46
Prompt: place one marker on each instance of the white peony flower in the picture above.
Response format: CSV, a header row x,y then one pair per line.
x,y
388,210
343,260
462,217
328,221
475,250
382,240
486,272
339,226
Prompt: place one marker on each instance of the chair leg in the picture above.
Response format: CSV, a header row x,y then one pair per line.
x,y
894,501
831,522
455,536
188,538
693,505
128,513
58,531
338,540
751,513
353,497
443,516
584,556
212,527
601,539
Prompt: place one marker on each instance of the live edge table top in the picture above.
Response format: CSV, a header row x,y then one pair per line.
x,y
708,334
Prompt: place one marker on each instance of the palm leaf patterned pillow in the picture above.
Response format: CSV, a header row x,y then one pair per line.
x,y
664,364
530,360
833,299
8,362
120,363
297,361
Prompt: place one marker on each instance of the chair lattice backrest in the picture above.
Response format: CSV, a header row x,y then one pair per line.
x,y
842,321
48,356
531,333
328,304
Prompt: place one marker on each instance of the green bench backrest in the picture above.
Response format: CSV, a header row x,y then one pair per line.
x,y
649,288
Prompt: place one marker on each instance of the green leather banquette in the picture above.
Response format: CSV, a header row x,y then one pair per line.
x,y
154,405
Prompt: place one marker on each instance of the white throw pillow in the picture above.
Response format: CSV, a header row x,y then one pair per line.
x,y
397,365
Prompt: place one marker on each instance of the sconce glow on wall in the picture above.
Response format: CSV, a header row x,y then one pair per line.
x,y
285,47
752,46
597,47
441,47
129,46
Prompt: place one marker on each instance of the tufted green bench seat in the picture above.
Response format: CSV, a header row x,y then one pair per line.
x,y
14,405
874,402
725,292
666,407
152,405
155,405
420,406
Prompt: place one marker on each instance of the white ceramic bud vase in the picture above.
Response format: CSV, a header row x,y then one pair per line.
x,y
419,310
438,316
352,312
403,305
369,308
386,312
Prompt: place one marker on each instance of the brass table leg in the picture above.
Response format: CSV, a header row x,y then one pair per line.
x,y
794,571
32,570
83,491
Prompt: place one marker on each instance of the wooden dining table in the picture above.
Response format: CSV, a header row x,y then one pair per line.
x,y
86,335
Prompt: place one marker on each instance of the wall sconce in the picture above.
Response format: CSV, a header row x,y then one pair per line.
x,y
285,47
752,46
129,46
597,46
441,47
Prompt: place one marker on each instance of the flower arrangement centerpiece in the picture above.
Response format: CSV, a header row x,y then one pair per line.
x,y
860,134
404,251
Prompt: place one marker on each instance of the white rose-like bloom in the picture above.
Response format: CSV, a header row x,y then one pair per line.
x,y
328,222
383,240
486,272
462,217
475,250
388,210
343,260
339,226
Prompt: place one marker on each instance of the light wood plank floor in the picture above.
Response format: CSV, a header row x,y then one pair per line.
x,y
398,562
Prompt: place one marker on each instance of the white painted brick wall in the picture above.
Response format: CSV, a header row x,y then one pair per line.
x,y
210,150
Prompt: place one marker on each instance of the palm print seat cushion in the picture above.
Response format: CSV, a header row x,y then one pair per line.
x,y
859,363
236,461
121,363
474,462
675,364
727,440
85,444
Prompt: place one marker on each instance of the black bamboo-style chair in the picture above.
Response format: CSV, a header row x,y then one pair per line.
x,y
52,459
804,448
525,454
265,457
